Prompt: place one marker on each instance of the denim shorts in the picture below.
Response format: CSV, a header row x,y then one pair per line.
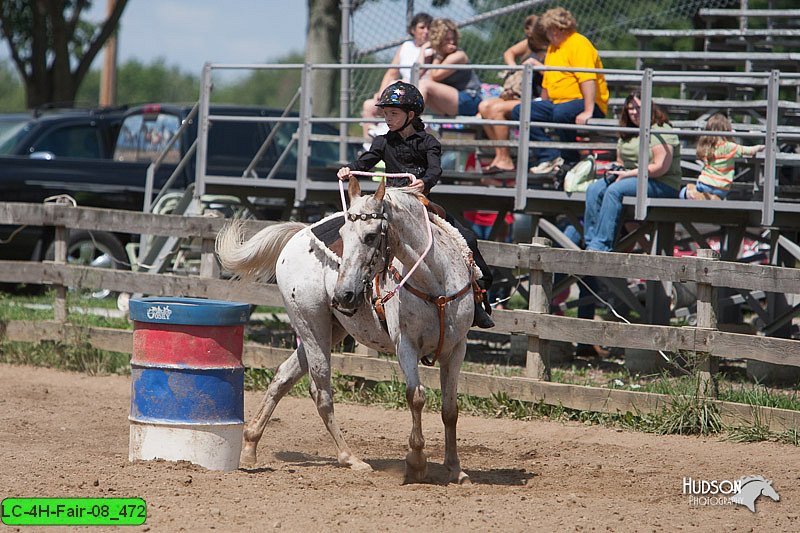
x,y
704,187
468,101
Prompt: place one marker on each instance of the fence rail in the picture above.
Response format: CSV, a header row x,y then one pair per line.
x,y
536,323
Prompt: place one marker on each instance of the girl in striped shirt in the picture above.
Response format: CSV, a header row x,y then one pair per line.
x,y
718,154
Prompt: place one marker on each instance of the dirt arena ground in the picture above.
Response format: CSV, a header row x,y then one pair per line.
x,y
66,435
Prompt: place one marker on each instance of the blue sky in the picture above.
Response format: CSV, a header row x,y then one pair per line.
x,y
188,33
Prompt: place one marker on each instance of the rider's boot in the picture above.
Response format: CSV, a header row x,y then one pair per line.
x,y
483,309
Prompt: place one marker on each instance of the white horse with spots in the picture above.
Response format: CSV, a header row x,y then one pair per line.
x,y
326,298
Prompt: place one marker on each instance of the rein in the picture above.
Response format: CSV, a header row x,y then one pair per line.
x,y
438,301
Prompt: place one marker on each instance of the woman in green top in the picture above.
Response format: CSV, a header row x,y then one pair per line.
x,y
604,197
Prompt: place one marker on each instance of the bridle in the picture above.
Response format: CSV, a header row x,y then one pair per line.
x,y
379,301
380,250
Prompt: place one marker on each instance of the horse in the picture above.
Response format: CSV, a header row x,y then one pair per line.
x,y
326,298
752,488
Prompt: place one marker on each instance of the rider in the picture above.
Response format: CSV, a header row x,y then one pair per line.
x,y
407,147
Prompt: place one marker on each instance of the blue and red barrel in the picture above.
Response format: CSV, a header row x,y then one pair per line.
x,y
187,381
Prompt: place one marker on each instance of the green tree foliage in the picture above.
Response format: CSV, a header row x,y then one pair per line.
x,y
12,95
272,88
52,47
139,83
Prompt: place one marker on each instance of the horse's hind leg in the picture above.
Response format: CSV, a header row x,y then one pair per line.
x,y
287,375
320,372
448,376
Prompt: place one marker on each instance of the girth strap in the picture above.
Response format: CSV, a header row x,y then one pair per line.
x,y
438,301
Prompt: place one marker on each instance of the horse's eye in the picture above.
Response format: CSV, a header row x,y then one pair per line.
x,y
370,239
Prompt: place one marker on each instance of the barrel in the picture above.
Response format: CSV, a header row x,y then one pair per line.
x,y
187,381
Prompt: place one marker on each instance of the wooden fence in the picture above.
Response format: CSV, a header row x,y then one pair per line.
x,y
536,323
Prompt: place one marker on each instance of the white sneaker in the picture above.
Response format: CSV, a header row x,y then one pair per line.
x,y
547,167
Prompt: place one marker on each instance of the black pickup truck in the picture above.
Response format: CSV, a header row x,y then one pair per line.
x,y
100,158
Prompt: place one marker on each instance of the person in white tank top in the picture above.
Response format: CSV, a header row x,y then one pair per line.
x,y
407,54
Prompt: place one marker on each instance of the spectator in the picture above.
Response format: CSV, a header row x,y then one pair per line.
x,y
407,54
531,50
567,97
448,92
604,196
717,154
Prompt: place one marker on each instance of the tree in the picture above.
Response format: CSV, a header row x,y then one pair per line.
x,y
322,46
52,47
141,83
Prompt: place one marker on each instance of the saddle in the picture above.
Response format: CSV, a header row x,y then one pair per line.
x,y
327,233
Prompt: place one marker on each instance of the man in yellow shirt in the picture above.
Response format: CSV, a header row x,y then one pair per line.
x,y
567,97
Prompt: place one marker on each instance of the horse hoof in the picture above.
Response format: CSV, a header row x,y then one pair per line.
x,y
416,467
354,463
415,476
247,459
463,479
360,466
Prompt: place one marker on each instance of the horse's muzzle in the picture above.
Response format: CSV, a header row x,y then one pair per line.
x,y
347,300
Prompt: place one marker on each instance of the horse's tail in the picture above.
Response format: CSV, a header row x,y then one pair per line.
x,y
255,258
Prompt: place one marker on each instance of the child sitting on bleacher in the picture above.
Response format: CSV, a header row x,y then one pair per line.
x,y
718,154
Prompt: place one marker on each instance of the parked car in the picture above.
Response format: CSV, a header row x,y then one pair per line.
x,y
100,158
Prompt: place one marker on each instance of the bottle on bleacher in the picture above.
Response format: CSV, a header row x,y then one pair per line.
x,y
717,154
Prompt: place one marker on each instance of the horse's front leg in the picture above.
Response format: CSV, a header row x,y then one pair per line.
x,y
448,377
319,367
287,375
416,460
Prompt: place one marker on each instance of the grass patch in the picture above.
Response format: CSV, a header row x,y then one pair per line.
x,y
687,413
76,358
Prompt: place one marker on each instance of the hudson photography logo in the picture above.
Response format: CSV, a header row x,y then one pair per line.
x,y
743,491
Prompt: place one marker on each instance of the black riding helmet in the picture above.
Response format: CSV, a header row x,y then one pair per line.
x,y
403,95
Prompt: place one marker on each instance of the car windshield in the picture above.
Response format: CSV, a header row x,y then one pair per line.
x,y
11,132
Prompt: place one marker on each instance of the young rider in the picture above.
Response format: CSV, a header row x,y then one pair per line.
x,y
407,147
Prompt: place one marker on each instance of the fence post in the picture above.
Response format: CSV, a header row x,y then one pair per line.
x,y
209,267
60,310
537,363
707,365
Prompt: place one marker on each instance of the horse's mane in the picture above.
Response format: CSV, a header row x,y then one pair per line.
x,y
409,198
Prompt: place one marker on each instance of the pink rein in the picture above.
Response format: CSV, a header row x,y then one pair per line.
x,y
413,179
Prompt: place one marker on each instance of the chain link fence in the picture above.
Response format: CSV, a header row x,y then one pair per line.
x,y
489,27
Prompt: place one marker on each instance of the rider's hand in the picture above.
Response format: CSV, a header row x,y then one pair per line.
x,y
343,174
418,185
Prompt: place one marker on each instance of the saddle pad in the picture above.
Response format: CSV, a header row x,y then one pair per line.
x,y
327,232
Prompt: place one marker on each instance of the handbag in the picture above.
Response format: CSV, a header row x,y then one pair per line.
x,y
581,175
512,85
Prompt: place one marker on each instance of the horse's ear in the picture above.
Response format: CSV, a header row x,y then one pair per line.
x,y
381,190
354,188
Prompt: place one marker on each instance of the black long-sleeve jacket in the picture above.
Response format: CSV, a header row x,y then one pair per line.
x,y
419,154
